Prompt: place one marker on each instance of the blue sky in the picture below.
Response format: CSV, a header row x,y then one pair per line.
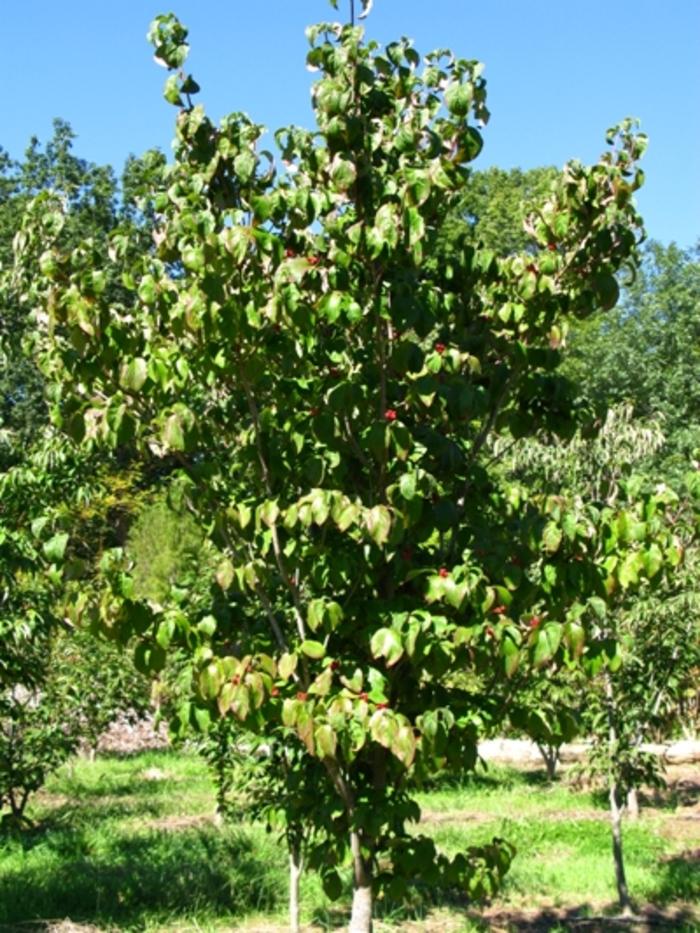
x,y
559,73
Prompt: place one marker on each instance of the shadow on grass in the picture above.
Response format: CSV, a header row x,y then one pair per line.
x,y
130,785
679,878
127,879
682,793
583,918
492,777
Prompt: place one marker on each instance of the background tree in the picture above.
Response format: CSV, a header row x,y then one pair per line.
x,y
60,506
495,205
647,353
649,643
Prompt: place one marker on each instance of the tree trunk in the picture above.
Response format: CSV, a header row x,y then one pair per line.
x,y
362,901
550,756
632,803
615,808
618,856
361,917
295,869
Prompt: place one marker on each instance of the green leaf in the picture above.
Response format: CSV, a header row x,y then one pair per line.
x,y
455,593
551,537
347,516
224,574
312,649
383,727
225,698
333,614
607,290
407,486
244,166
386,643
207,626
331,306
598,606
134,374
201,719
511,656
171,91
458,98
653,561
269,512
332,884
173,434
165,632
378,524
55,547
547,640
628,571
404,745
416,226
290,712
210,681
343,173
240,702
386,225
314,615
193,258
326,741
575,637
287,665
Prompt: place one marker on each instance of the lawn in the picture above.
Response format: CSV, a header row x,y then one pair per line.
x,y
133,844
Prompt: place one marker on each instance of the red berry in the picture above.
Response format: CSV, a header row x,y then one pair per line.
x,y
235,680
363,696
532,268
303,696
334,665
289,253
334,371
489,632
274,692
312,260
444,572
390,414
534,622
440,347
499,610
552,247
382,705
314,411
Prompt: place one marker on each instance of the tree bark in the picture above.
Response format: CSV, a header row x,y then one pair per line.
x,y
632,803
615,808
618,857
295,869
362,900
361,917
550,756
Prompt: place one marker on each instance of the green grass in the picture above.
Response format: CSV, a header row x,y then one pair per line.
x,y
131,844
499,789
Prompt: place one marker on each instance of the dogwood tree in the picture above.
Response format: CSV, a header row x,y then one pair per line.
x,y
326,389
